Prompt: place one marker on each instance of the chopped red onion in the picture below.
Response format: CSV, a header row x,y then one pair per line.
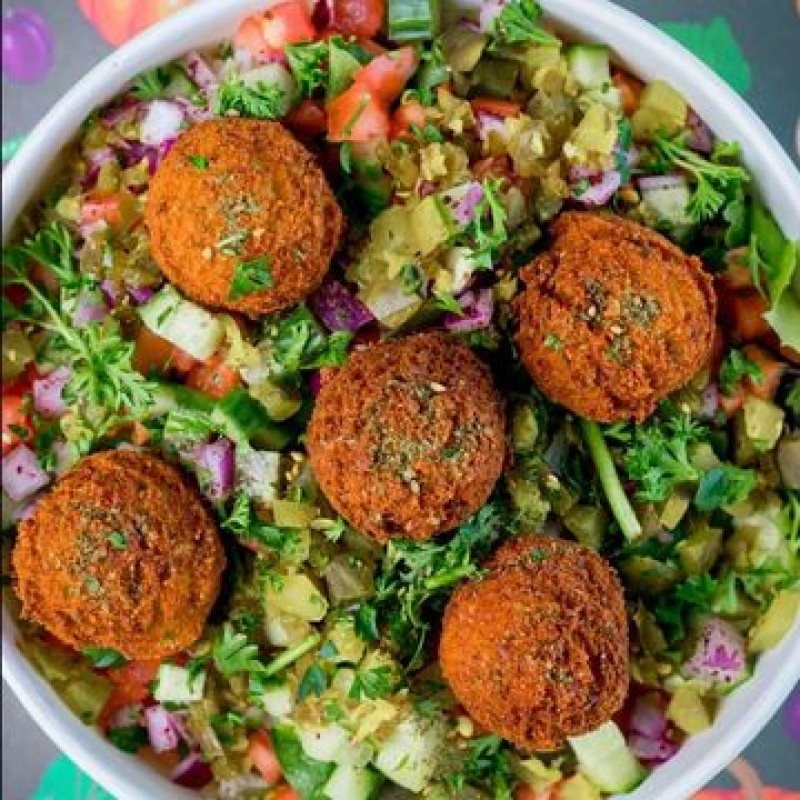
x,y
489,123
709,401
426,188
112,292
66,457
463,209
89,229
162,121
194,112
48,393
720,656
592,187
652,751
192,772
657,183
198,70
95,161
140,294
27,511
315,382
160,729
648,718
701,137
490,11
23,476
478,307
117,114
216,463
339,309
89,307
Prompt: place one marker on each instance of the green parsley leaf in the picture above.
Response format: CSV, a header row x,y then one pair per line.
x,y
260,101
553,342
313,682
735,368
104,657
366,622
487,763
372,684
724,486
518,23
308,62
251,276
118,540
201,162
129,740
233,653
300,343
446,302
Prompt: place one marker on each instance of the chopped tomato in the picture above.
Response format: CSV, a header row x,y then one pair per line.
x,y
16,421
155,355
731,403
285,792
307,120
356,116
287,23
101,209
250,36
718,347
523,792
262,754
737,273
630,90
131,686
772,370
408,115
495,107
357,17
213,377
744,312
386,75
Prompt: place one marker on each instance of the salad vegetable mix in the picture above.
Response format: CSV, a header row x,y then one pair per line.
x,y
450,150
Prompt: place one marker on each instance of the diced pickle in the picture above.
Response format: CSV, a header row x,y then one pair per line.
x,y
699,550
649,576
587,524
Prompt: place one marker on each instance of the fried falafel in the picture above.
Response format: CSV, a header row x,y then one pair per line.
x,y
121,554
408,439
537,649
241,217
613,318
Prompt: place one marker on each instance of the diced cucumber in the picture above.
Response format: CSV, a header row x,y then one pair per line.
x,y
291,514
462,265
285,630
258,475
409,755
412,20
666,206
177,686
276,75
353,783
590,65
328,743
762,423
606,759
183,323
246,421
171,396
306,775
390,303
278,701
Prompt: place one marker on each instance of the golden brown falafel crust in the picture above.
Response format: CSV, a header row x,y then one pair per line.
x,y
122,553
614,317
257,193
538,649
408,439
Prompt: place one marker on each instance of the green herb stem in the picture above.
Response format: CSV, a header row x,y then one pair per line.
x,y
609,479
288,657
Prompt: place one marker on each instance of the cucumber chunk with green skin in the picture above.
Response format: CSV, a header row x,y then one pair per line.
x,y
412,20
590,65
409,755
305,775
349,782
246,420
177,686
606,760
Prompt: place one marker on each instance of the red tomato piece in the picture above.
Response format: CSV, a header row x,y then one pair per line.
x,y
357,17
213,377
386,75
630,90
287,23
285,792
307,120
495,107
154,354
744,311
261,753
105,209
772,370
406,116
16,422
356,116
250,36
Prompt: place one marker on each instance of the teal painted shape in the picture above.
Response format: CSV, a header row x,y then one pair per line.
x,y
11,146
714,43
63,780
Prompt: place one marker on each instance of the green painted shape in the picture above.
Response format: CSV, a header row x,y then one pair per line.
x,y
714,43
63,780
11,146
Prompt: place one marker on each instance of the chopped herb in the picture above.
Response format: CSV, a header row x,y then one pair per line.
x,y
308,62
428,133
413,279
372,683
130,739
104,657
518,23
233,653
366,622
346,157
313,682
553,342
249,277
201,162
723,486
735,368
446,302
118,540
260,101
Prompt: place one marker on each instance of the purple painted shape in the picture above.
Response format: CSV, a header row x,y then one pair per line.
x,y
791,717
27,45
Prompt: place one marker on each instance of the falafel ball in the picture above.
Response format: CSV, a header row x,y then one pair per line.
x,y
537,650
614,317
408,439
122,553
242,218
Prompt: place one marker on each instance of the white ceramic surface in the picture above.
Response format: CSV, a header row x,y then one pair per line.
x,y
648,53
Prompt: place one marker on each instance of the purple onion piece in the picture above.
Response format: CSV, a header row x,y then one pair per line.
x,y
720,656
701,137
162,122
490,11
652,751
118,113
648,718
89,307
489,123
199,71
192,111
658,183
48,393
160,729
602,186
463,209
478,307
95,161
22,475
192,772
112,293
339,309
216,462
315,382
140,294
709,401
426,188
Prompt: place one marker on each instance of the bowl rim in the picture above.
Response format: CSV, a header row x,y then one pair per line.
x,y
649,53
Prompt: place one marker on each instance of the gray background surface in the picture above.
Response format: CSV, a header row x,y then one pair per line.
x,y
769,34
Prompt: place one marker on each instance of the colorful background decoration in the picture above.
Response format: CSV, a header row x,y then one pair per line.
x,y
752,44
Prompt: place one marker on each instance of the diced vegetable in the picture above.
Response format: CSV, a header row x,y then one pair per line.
x,y
305,774
590,65
431,224
349,782
356,116
661,110
262,754
278,701
183,323
412,20
278,78
577,787
329,743
246,421
361,18
720,656
297,595
86,695
665,198
606,760
23,475
178,686
258,475
778,620
408,755
688,710
788,458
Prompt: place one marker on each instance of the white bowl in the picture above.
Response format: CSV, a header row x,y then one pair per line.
x,y
647,53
